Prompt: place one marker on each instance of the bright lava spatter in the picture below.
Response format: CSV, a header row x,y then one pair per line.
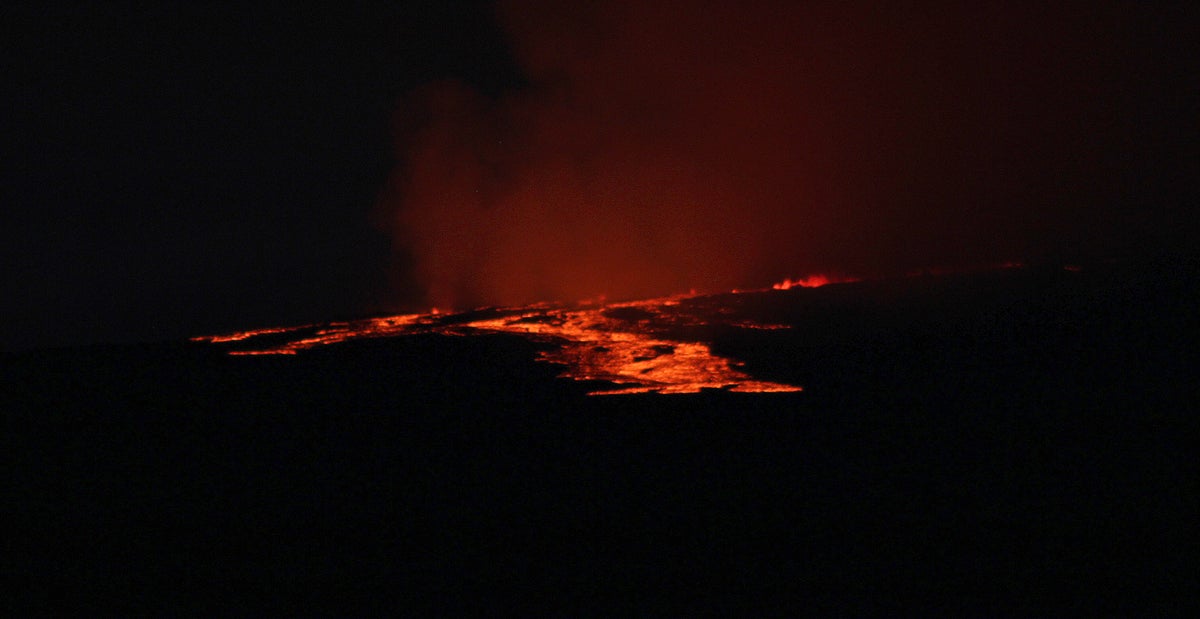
x,y
628,346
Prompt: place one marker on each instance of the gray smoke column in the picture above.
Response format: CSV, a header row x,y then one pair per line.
x,y
667,146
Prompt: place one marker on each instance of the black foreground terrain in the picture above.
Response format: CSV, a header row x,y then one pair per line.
x,y
990,444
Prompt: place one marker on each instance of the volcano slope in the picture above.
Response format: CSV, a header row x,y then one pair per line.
x,y
995,442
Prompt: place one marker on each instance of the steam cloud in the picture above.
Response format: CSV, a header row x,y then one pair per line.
x,y
667,146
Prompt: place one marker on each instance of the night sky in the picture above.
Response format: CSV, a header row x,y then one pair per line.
x,y
173,171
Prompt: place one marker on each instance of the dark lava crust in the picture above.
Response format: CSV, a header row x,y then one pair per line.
x,y
1004,443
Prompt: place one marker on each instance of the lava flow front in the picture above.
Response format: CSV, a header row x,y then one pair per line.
x,y
649,346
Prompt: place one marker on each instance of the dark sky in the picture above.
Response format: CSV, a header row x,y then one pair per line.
x,y
172,171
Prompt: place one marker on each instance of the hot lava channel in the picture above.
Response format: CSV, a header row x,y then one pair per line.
x,y
625,348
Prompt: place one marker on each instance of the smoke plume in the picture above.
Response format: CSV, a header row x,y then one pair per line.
x,y
666,146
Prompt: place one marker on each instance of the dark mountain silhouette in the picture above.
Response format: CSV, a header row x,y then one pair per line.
x,y
1000,442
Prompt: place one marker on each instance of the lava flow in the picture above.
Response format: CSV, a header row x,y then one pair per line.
x,y
630,347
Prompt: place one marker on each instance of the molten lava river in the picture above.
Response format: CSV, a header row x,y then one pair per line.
x,y
650,346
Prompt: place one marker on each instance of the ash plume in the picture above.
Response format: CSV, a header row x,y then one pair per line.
x,y
665,146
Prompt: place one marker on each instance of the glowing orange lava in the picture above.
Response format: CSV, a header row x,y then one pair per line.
x,y
604,344
245,335
631,347
331,334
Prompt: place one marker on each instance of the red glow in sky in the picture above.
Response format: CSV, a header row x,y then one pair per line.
x,y
705,145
